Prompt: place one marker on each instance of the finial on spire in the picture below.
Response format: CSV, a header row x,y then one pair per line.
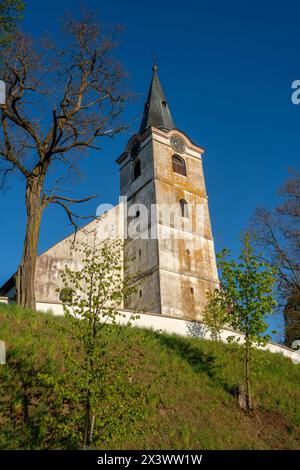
x,y
156,112
154,62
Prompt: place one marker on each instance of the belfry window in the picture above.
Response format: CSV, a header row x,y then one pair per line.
x,y
137,169
183,208
179,166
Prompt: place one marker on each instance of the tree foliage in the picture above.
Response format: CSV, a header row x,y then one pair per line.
x,y
10,14
96,292
215,314
277,234
291,315
248,285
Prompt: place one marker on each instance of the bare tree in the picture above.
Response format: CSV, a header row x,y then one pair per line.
x,y
61,99
278,233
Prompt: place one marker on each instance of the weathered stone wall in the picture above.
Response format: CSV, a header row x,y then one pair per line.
x,y
186,256
142,252
176,272
51,263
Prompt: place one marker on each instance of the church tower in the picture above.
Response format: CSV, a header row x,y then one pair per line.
x,y
169,243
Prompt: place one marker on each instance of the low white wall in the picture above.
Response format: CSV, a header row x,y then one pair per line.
x,y
179,326
54,307
187,328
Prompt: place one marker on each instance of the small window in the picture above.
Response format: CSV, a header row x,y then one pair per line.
x,y
179,166
137,214
183,208
188,252
140,253
192,290
164,103
137,169
66,295
135,149
141,293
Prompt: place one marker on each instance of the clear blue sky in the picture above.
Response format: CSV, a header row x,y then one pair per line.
x,y
226,68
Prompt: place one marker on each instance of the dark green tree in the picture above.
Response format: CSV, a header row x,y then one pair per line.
x,y
277,235
291,317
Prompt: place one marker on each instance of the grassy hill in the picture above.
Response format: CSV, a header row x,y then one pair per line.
x,y
163,392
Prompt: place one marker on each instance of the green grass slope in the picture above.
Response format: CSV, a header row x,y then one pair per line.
x,y
176,393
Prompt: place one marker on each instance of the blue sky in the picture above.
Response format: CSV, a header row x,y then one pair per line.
x,y
227,69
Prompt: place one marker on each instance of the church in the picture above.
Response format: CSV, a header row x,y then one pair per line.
x,y
163,218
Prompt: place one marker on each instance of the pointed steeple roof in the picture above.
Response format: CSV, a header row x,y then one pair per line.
x,y
156,112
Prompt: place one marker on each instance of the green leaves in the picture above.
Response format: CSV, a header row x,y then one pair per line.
x,y
215,314
91,299
248,292
10,14
248,285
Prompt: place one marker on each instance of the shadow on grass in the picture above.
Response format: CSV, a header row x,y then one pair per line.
x,y
198,360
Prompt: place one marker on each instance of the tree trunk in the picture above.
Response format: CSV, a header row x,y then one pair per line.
x,y
247,371
87,424
25,289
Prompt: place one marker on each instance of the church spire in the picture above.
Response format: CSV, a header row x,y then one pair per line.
x,y
156,112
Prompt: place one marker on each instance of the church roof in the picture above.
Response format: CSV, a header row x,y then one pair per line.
x,y
5,288
156,112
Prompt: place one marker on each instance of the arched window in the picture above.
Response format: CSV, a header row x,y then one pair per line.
x,y
137,169
179,166
183,208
